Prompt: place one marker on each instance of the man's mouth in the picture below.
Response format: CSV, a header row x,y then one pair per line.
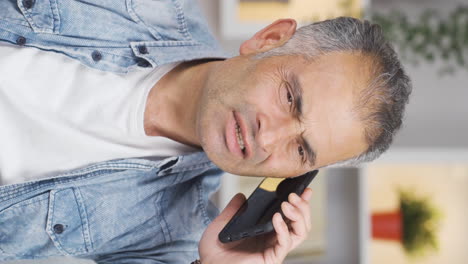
x,y
236,136
240,140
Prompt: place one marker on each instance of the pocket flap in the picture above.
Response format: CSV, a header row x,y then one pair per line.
x,y
164,19
42,15
67,224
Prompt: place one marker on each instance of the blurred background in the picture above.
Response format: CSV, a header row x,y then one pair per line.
x,y
409,206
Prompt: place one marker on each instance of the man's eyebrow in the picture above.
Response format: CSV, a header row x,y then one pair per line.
x,y
298,92
311,155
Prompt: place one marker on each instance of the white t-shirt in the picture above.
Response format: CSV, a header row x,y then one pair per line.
x,y
57,114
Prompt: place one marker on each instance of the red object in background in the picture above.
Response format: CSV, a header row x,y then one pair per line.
x,y
387,226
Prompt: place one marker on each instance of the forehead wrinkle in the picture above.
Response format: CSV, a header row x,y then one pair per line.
x,y
338,79
326,121
304,117
365,94
298,90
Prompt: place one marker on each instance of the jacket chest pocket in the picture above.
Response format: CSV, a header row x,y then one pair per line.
x,y
42,15
49,224
164,19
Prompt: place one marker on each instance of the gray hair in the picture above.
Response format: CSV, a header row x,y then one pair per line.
x,y
381,104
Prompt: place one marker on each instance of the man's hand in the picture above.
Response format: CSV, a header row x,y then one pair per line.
x,y
268,249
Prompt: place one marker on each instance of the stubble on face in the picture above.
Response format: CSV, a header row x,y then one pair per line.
x,y
242,84
222,93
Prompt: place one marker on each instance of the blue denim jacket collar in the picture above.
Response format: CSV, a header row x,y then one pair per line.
x,y
117,36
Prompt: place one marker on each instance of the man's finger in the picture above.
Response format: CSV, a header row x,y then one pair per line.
x,y
298,222
232,207
282,235
307,194
303,206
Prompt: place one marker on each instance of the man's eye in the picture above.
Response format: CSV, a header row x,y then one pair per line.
x,y
300,150
289,98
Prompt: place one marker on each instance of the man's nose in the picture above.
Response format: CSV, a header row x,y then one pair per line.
x,y
275,132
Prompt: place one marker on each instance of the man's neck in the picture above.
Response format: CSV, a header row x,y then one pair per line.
x,y
172,103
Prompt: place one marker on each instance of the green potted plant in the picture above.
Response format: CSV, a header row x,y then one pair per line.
x,y
429,37
425,38
414,224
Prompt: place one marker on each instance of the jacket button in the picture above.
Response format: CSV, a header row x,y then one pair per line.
x,y
96,55
21,41
143,49
143,63
28,3
58,229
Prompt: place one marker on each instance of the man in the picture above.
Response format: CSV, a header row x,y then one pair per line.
x,y
145,79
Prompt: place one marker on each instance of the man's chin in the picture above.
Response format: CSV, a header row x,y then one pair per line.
x,y
236,168
226,163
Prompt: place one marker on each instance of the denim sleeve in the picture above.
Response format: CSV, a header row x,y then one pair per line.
x,y
185,213
46,225
175,252
114,212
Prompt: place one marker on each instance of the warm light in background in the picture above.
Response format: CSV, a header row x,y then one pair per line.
x,y
301,10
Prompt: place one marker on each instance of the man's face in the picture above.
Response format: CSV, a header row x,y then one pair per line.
x,y
282,116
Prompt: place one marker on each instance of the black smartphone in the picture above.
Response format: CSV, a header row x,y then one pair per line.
x,y
255,215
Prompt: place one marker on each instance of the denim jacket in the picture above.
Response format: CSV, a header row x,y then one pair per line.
x,y
111,35
121,211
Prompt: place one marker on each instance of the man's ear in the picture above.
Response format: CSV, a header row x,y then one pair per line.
x,y
272,36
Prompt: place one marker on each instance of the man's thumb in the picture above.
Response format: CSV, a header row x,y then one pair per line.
x,y
232,207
